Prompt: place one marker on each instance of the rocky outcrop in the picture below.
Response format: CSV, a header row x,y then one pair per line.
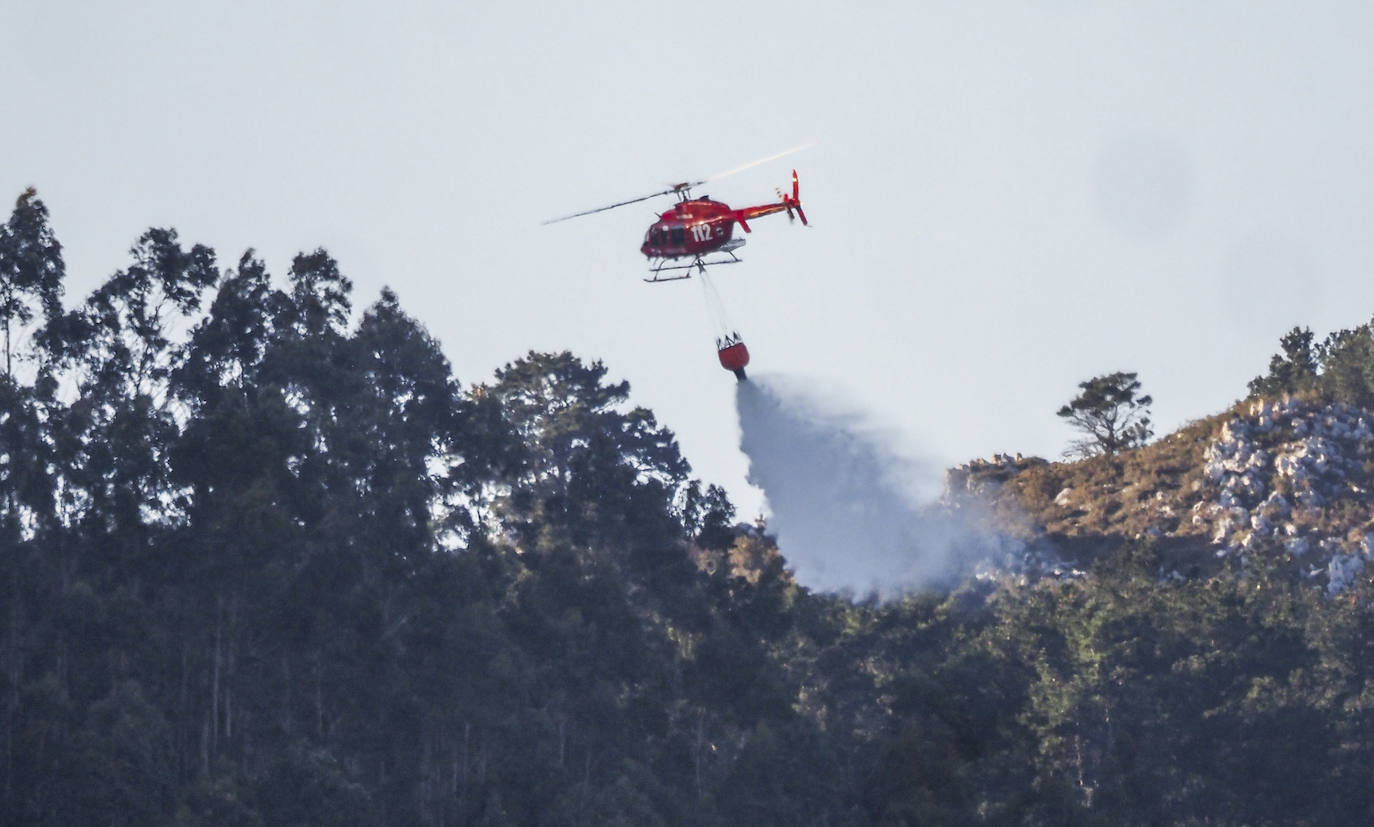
x,y
1287,479
1293,475
983,478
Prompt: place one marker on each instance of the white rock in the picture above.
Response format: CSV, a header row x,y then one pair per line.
x,y
1341,572
1297,546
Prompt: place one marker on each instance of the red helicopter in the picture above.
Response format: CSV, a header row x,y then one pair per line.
x,y
694,229
697,227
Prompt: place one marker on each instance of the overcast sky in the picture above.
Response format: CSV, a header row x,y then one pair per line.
x,y
1007,198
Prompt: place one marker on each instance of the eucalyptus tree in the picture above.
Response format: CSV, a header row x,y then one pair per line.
x,y
31,276
31,282
31,272
122,425
581,452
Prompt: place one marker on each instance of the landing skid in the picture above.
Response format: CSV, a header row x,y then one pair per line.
x,y
699,265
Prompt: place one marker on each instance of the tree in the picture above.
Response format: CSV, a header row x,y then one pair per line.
x,y
1292,371
1110,414
581,457
119,430
31,271
1347,365
31,274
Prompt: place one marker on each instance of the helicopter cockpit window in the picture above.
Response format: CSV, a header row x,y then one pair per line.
x,y
679,235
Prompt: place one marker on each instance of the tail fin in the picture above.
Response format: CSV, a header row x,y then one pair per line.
x,y
789,203
794,202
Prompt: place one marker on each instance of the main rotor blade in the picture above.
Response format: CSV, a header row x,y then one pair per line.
x,y
617,204
753,164
685,185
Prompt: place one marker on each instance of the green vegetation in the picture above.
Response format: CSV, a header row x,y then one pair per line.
x,y
285,569
1340,368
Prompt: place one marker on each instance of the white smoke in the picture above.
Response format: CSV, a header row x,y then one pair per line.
x,y
850,514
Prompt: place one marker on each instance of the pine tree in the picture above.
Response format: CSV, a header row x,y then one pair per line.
x,y
1111,415
1293,371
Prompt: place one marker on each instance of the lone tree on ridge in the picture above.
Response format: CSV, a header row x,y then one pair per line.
x,y
1110,415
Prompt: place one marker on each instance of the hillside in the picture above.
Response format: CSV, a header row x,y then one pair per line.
x,y
1286,480
268,562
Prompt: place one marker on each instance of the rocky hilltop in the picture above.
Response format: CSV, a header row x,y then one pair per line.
x,y
1282,481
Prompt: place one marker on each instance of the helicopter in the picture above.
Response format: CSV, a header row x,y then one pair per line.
x,y
696,228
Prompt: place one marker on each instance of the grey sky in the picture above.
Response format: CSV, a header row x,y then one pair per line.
x,y
1007,197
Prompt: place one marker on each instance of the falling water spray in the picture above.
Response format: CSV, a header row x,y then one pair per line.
x,y
850,514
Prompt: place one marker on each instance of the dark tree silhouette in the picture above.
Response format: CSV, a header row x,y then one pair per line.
x,y
1292,371
1110,414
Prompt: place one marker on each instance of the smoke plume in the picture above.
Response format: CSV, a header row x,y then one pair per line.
x,y
848,512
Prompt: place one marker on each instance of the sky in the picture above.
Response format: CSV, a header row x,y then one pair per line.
x,y
1006,198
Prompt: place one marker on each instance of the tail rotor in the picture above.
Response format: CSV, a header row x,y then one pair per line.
x,y
793,202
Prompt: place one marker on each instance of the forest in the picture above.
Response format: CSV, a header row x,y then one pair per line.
x,y
268,562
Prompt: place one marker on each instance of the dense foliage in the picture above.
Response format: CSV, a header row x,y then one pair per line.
x,y
1339,368
265,565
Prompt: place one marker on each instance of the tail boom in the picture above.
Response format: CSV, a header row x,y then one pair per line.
x,y
787,203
